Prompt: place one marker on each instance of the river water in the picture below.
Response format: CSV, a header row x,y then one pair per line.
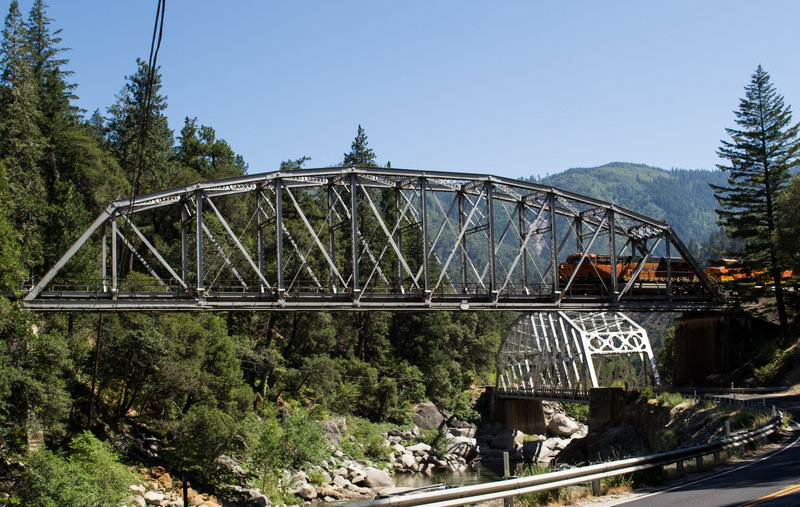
x,y
477,475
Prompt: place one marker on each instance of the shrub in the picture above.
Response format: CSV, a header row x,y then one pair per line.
x,y
577,411
201,436
91,475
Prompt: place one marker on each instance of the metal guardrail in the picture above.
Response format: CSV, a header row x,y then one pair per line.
x,y
593,473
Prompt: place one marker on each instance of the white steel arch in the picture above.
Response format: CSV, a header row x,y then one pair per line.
x,y
563,354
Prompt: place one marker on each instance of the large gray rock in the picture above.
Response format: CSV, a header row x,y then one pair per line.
x,y
377,479
465,447
427,416
153,498
407,460
305,491
508,440
562,426
419,449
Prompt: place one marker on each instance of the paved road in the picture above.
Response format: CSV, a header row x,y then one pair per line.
x,y
771,479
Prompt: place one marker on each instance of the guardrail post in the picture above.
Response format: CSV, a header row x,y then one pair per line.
x,y
716,457
596,491
679,467
699,462
727,429
773,411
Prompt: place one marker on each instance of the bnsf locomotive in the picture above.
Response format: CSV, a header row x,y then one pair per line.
x,y
596,268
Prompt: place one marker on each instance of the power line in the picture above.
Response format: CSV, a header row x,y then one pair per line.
x,y
155,45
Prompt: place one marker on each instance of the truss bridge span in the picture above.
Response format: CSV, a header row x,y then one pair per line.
x,y
367,238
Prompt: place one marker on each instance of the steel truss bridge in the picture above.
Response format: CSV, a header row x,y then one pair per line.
x,y
364,238
561,355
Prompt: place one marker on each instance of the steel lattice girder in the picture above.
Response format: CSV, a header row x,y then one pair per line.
x,y
557,354
363,238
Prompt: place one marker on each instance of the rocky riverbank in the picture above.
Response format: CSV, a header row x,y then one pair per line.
x,y
458,446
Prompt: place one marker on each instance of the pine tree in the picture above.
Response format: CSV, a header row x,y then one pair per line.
x,y
760,155
360,154
21,141
124,133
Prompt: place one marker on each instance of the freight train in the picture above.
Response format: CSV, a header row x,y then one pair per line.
x,y
597,268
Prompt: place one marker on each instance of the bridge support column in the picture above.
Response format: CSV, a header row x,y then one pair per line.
x,y
606,405
526,415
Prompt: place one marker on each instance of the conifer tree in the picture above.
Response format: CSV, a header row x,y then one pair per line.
x,y
124,132
760,155
21,141
360,154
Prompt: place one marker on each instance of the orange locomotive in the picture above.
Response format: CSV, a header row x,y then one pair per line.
x,y
598,268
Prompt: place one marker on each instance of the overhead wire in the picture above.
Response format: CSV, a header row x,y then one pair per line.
x,y
155,45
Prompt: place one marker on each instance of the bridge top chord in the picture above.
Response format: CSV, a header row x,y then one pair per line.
x,y
369,238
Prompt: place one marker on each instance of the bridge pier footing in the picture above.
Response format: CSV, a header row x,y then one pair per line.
x,y
526,415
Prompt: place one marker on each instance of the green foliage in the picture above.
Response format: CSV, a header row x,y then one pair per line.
x,y
364,440
437,440
360,154
200,437
776,365
672,399
294,442
789,224
92,475
577,411
665,357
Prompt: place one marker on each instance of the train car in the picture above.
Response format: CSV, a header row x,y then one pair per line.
x,y
596,268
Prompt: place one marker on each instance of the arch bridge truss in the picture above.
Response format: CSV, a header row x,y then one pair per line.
x,y
366,239
561,355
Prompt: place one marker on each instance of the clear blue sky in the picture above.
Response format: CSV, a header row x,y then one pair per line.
x,y
509,88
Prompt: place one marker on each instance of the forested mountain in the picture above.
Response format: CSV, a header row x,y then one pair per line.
x,y
681,197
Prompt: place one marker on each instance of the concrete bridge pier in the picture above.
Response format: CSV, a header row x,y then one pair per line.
x,y
524,414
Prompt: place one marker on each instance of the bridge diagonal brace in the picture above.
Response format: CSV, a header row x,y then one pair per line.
x,y
41,284
528,235
155,252
225,257
141,259
457,243
295,246
321,247
238,243
584,254
640,267
390,238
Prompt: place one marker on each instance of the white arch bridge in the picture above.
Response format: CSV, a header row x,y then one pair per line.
x,y
366,238
561,355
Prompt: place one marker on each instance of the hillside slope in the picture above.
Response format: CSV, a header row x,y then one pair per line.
x,y
681,197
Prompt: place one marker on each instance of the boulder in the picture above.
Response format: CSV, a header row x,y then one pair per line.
x,y
165,480
463,432
305,491
464,447
562,426
153,498
137,489
341,482
139,501
427,416
331,431
376,479
507,440
419,449
407,460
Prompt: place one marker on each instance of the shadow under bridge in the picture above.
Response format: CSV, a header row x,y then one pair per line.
x,y
367,238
